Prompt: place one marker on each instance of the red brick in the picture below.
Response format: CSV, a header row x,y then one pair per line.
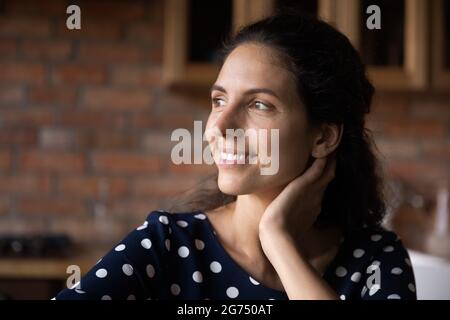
x,y
4,205
417,171
146,32
18,136
22,73
56,138
8,48
47,50
137,76
115,11
437,150
26,117
437,110
79,74
23,184
52,95
131,163
51,206
36,8
10,96
157,142
424,129
398,148
390,106
136,210
161,186
192,169
93,186
92,119
120,99
162,121
24,27
91,30
107,139
111,53
52,161
5,160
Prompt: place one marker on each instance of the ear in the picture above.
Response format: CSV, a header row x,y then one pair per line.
x,y
327,139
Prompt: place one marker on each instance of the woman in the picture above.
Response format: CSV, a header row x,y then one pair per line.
x,y
310,231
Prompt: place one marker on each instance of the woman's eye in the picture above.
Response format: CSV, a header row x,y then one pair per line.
x,y
217,102
262,106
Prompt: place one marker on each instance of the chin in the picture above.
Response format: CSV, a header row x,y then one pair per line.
x,y
236,185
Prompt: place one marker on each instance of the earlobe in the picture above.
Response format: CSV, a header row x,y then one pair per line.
x,y
327,141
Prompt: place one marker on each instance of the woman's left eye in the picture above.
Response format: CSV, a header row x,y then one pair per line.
x,y
262,106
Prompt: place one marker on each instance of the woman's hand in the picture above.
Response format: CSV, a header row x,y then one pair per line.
x,y
296,208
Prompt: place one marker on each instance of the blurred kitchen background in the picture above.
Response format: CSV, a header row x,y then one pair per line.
x,y
86,117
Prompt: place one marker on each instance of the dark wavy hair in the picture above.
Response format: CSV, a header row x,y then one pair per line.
x,y
332,83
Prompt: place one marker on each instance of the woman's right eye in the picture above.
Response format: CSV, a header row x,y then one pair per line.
x,y
217,102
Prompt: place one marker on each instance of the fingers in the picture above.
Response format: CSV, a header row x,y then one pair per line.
x,y
320,174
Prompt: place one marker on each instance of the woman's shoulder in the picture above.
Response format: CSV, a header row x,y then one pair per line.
x,y
165,224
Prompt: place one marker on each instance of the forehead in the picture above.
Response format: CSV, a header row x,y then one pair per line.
x,y
253,65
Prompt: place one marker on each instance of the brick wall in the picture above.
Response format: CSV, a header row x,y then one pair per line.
x,y
85,123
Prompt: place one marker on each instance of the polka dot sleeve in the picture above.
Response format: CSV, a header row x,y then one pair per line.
x,y
131,270
389,274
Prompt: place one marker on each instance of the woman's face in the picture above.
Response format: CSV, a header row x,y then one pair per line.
x,y
254,91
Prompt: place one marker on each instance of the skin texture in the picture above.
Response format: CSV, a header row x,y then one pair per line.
x,y
268,230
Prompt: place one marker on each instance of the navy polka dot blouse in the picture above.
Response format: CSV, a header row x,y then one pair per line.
x,y
178,256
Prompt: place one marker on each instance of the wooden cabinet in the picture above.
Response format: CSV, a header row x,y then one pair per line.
x,y
193,26
440,44
409,52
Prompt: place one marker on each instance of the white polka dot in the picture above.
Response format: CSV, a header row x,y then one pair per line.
x,y
356,277
167,244
127,269
150,271
215,267
254,281
142,226
374,289
397,271
363,291
120,247
376,237
388,249
341,271
199,244
200,216
101,273
408,262
76,285
80,291
358,253
175,289
106,297
412,287
170,230
146,243
232,292
131,297
394,296
182,223
342,297
376,263
197,276
163,220
183,252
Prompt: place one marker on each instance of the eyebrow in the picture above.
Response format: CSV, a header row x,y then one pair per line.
x,y
249,91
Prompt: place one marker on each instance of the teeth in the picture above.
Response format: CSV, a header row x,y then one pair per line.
x,y
232,157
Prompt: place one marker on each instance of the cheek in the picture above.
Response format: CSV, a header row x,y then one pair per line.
x,y
294,152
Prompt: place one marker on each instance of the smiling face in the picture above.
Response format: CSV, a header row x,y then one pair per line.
x,y
254,91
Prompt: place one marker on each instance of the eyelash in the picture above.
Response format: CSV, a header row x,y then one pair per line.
x,y
215,102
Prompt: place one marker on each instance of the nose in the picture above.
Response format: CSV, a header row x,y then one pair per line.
x,y
230,118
